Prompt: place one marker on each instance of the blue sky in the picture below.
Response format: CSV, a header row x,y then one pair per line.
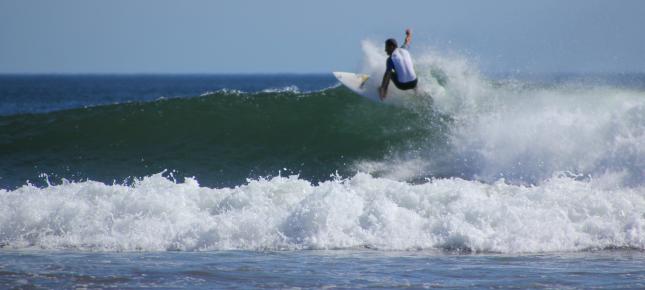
x,y
244,36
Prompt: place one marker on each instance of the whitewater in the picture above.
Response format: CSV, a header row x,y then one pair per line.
x,y
288,213
484,166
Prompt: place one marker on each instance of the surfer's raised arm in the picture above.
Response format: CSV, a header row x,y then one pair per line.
x,y
408,38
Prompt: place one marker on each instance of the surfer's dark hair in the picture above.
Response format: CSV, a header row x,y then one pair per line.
x,y
392,42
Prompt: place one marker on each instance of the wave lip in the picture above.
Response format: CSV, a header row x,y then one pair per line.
x,y
157,214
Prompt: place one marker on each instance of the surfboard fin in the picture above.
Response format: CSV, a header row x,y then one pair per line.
x,y
365,78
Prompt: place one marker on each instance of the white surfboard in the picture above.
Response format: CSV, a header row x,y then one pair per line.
x,y
367,87
360,84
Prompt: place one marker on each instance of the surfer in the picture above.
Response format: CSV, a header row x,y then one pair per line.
x,y
399,66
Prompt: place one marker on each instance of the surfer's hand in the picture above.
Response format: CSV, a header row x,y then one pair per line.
x,y
408,38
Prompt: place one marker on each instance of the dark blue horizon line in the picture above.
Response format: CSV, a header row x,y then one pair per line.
x,y
510,73
170,74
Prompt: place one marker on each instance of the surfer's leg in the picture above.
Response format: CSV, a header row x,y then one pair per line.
x,y
413,84
396,82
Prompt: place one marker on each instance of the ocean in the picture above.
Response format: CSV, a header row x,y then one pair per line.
x,y
293,181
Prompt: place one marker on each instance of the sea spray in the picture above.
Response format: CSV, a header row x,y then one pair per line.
x,y
514,130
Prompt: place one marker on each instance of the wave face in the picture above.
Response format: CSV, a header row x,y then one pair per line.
x,y
222,137
487,166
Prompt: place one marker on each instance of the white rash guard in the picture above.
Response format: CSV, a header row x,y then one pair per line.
x,y
401,62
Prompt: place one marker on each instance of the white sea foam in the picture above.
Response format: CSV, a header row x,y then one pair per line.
x,y
519,132
287,89
223,91
157,214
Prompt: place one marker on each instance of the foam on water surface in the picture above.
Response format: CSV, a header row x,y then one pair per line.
x,y
158,214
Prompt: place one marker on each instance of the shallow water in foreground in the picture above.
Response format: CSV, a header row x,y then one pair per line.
x,y
617,269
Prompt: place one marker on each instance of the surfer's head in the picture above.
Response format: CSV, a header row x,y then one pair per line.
x,y
390,46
